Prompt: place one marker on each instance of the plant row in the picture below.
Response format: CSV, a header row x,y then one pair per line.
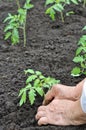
x,y
36,82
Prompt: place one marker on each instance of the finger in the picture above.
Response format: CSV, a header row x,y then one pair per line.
x,y
39,115
43,121
42,108
48,97
81,83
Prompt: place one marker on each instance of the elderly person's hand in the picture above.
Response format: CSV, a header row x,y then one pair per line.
x,y
62,106
60,91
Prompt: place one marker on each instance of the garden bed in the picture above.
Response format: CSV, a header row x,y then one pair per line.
x,y
50,49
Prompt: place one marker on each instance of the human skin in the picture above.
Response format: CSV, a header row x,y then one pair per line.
x,y
61,112
61,106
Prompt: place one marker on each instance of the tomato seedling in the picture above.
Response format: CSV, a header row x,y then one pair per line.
x,y
17,22
57,6
80,57
35,84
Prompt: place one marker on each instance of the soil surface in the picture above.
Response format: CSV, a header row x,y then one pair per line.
x,y
50,49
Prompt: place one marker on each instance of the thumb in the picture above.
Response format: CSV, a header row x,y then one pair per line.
x,y
48,97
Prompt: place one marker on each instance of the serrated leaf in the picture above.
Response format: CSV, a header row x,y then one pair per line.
x,y
7,35
58,1
39,91
38,73
23,98
84,72
21,11
58,7
83,65
28,6
82,41
8,27
31,78
21,91
8,17
84,28
70,13
21,102
31,71
28,86
49,2
31,95
68,1
51,13
78,59
28,1
74,1
76,71
41,77
36,83
79,49
46,86
48,79
15,36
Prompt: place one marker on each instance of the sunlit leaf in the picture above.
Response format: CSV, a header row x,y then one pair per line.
x,y
76,71
31,95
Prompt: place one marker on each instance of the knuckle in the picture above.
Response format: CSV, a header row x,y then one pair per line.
x,y
54,87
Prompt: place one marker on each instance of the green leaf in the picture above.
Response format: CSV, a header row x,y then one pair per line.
x,y
47,80
51,13
28,1
8,17
70,13
21,102
51,81
29,86
76,71
28,6
49,2
31,71
58,7
83,65
79,49
84,28
31,78
39,91
58,1
82,41
36,83
15,36
21,91
7,35
41,77
38,73
74,1
8,27
23,98
31,95
84,72
22,11
68,1
78,59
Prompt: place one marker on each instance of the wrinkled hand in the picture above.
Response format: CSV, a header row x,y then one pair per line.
x,y
59,92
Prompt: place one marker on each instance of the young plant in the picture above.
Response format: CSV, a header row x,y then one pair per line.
x,y
80,57
35,83
17,22
57,6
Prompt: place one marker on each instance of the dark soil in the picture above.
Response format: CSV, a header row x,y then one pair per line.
x,y
50,49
